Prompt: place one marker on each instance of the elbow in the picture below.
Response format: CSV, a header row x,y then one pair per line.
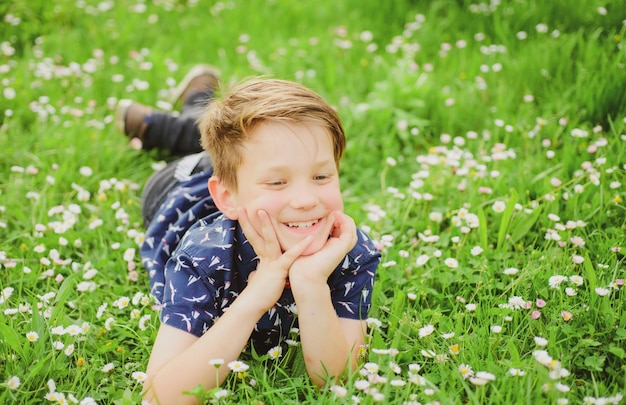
x,y
148,396
320,374
160,393
320,377
318,382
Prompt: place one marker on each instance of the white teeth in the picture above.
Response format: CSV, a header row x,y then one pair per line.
x,y
301,225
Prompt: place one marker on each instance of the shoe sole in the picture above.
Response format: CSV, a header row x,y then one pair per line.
x,y
194,72
120,114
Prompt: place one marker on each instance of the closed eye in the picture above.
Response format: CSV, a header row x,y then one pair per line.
x,y
275,183
321,177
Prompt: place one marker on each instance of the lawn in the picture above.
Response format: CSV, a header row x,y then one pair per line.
x,y
486,157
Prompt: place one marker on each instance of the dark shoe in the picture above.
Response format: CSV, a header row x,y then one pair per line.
x,y
131,118
199,79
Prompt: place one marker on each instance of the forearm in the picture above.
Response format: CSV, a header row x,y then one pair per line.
x,y
185,371
327,352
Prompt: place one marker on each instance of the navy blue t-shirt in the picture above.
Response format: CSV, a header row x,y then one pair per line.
x,y
199,261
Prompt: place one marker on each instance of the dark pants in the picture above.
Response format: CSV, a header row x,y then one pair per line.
x,y
175,132
179,134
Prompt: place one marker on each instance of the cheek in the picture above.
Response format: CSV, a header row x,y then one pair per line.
x,y
269,203
333,199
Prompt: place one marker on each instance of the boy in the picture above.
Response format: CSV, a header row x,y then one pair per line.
x,y
269,241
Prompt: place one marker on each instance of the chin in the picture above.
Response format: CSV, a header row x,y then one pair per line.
x,y
313,248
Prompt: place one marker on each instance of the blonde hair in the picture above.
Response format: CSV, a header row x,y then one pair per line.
x,y
228,121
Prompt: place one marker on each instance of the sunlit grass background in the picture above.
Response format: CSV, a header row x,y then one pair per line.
x,y
486,156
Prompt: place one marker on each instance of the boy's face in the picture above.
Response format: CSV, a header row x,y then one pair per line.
x,y
289,171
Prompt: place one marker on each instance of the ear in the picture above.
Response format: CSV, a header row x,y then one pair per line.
x,y
223,198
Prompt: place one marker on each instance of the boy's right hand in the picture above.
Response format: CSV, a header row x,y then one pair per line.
x,y
268,281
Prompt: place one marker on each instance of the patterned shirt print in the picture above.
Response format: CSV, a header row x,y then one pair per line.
x,y
199,261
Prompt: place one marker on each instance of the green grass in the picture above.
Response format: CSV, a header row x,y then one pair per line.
x,y
508,120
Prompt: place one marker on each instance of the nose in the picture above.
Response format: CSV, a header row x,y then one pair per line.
x,y
304,196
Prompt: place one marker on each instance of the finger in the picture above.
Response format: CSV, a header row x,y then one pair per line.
x,y
269,233
344,225
244,222
295,251
251,234
345,230
337,222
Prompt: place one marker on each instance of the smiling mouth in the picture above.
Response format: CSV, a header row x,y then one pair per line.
x,y
302,225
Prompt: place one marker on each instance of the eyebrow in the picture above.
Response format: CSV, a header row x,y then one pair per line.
x,y
318,164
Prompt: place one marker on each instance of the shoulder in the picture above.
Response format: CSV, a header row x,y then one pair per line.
x,y
214,232
362,259
364,248
199,268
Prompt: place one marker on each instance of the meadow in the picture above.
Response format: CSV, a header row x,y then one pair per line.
x,y
486,157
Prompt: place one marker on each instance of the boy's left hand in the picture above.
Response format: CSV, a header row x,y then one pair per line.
x,y
318,266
